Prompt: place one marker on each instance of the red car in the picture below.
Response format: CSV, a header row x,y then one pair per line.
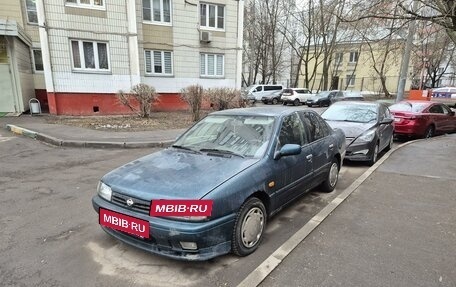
x,y
422,119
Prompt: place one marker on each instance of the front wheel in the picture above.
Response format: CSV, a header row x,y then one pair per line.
x,y
249,227
374,156
332,177
275,101
296,102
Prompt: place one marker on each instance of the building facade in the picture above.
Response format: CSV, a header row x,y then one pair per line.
x,y
21,68
91,49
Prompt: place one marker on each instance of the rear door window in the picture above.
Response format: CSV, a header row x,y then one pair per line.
x,y
436,109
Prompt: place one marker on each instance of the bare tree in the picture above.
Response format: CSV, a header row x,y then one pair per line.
x,y
140,94
193,96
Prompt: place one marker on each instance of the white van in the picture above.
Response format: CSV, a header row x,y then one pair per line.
x,y
256,92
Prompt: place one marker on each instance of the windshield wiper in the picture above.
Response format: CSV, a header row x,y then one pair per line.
x,y
185,148
223,151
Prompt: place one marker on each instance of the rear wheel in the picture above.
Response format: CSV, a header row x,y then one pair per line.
x,y
275,101
296,102
429,133
332,177
249,227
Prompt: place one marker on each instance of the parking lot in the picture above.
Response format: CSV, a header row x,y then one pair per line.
x,y
51,237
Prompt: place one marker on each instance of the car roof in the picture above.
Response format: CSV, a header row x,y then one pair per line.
x,y
416,102
261,111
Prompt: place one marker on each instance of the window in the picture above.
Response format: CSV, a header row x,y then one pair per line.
x,y
351,80
90,56
353,57
37,60
159,62
86,3
211,65
436,109
32,16
292,131
316,127
338,58
157,11
212,16
273,88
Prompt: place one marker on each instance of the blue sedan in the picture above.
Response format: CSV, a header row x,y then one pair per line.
x,y
213,191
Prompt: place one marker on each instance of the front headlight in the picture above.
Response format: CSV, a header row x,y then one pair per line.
x,y
366,137
104,191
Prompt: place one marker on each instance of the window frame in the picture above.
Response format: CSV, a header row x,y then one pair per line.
x,y
207,27
350,80
338,58
35,71
162,15
27,12
354,57
206,75
97,69
92,5
152,64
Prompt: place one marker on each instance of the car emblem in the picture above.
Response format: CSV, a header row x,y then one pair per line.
x,y
130,202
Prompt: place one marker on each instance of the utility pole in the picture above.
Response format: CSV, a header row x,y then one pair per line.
x,y
406,58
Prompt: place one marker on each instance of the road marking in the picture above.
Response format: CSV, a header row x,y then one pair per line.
x,y
275,259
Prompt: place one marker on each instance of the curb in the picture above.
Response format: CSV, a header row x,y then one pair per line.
x,y
84,144
275,259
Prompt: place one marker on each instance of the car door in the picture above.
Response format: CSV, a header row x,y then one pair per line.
x,y
322,144
450,121
291,173
438,118
385,130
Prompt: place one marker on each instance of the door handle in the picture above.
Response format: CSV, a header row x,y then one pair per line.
x,y
309,157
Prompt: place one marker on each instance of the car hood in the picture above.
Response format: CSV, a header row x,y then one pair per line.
x,y
174,174
351,129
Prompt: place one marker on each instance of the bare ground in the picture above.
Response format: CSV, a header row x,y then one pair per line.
x,y
157,121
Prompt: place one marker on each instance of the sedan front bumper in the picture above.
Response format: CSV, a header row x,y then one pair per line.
x,y
213,238
360,151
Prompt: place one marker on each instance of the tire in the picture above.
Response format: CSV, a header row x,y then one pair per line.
x,y
374,156
309,105
429,133
284,103
390,144
296,102
249,227
332,177
275,101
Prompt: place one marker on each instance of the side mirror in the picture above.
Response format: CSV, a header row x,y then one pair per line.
x,y
288,149
386,121
452,113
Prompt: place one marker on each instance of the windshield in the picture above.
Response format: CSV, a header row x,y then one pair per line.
x,y
246,136
351,113
408,107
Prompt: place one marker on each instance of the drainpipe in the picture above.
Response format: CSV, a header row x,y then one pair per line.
x,y
45,54
240,35
132,39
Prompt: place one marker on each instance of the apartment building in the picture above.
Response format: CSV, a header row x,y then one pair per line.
x,y
21,68
91,49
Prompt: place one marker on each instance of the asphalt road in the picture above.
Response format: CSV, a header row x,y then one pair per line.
x,y
50,234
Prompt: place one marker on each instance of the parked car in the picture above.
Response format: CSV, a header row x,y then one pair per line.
x,y
295,96
349,96
255,93
273,98
446,95
422,119
368,128
325,98
247,164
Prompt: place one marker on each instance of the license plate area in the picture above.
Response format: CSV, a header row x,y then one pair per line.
x,y
124,223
